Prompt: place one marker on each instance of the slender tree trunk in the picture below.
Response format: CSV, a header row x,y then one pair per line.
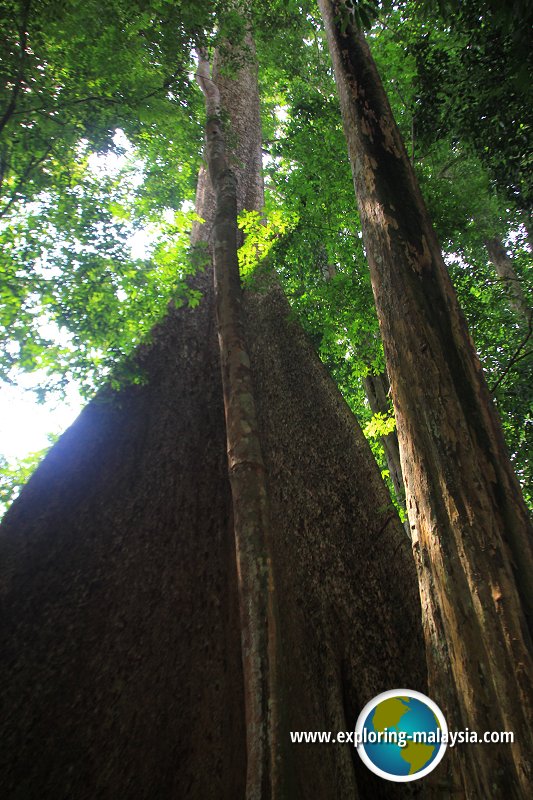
x,y
376,390
251,517
505,270
121,634
472,538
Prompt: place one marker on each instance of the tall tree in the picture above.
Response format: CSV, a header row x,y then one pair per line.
x,y
123,673
251,514
309,172
471,534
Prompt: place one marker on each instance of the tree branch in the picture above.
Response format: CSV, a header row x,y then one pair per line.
x,y
517,356
34,162
100,99
208,86
23,42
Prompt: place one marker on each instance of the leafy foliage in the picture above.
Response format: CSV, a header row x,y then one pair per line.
x,y
380,425
14,474
68,274
75,193
474,85
101,138
261,232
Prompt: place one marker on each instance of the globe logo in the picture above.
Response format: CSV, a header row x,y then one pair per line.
x,y
401,735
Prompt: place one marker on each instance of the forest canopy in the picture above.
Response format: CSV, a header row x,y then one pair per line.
x,y
101,139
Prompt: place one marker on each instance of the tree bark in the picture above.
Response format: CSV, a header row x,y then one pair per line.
x,y
471,534
505,270
122,671
251,517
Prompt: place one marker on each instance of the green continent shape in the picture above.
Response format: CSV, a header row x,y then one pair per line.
x,y
416,754
389,712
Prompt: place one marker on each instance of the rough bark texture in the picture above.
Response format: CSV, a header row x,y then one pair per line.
x,y
121,673
336,565
505,270
471,534
376,390
121,670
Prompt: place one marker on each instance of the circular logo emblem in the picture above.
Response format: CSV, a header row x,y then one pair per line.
x,y
401,735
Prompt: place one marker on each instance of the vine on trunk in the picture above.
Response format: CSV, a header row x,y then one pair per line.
x,y
246,469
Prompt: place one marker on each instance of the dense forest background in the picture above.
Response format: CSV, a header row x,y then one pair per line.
x,y
102,138
218,220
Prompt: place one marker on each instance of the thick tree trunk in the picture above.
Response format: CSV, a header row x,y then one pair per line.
x,y
472,538
376,390
122,672
505,270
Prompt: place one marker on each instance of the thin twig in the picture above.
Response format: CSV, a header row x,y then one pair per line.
x,y
100,99
32,164
517,356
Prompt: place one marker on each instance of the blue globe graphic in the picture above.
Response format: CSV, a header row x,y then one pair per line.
x,y
401,717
